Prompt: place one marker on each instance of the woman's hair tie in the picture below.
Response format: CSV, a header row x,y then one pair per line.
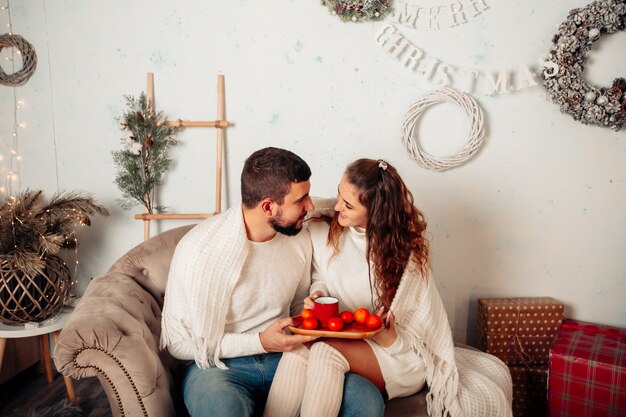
x,y
382,164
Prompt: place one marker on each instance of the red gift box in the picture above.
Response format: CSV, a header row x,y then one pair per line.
x,y
587,376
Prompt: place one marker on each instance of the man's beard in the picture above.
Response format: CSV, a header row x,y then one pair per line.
x,y
278,224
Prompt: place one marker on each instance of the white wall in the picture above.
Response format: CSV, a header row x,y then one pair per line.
x,y
539,211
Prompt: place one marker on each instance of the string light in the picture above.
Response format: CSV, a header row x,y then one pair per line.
x,y
11,163
13,183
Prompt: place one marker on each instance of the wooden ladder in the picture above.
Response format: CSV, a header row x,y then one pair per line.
x,y
220,125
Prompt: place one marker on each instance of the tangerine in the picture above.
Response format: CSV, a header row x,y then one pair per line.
x,y
361,315
335,324
309,324
347,317
373,321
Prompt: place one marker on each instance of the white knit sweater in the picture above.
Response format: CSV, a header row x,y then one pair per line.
x,y
223,290
463,383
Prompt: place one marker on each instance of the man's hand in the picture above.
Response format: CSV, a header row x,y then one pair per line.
x,y
308,302
274,338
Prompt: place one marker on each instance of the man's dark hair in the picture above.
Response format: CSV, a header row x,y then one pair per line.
x,y
268,173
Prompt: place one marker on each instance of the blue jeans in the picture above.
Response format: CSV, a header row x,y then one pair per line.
x,y
241,391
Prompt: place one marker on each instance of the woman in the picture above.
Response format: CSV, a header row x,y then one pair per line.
x,y
373,254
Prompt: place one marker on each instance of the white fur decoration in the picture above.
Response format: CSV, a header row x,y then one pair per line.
x,y
477,130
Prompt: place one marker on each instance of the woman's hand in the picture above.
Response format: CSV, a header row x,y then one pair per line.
x,y
308,302
388,335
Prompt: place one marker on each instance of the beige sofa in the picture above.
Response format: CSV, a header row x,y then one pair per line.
x,y
113,334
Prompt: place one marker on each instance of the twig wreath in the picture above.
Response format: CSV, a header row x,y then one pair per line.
x,y
415,112
29,60
358,10
586,102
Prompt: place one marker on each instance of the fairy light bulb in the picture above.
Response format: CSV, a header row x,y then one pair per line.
x,y
13,161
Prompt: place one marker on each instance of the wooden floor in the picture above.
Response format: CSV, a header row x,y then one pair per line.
x,y
29,390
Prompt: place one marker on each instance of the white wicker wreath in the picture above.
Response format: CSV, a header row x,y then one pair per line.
x,y
470,148
585,102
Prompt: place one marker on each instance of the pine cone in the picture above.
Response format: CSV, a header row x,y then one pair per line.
x,y
574,98
614,93
620,83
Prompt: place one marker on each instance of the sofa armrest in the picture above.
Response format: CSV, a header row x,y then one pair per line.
x,y
114,334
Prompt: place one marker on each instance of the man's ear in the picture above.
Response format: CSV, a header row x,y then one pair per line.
x,y
266,207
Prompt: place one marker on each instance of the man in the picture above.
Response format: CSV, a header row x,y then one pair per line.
x,y
231,286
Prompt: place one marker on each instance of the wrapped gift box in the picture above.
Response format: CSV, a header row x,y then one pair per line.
x,y
530,391
519,331
587,375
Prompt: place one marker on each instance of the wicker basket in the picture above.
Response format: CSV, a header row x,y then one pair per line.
x,y
26,298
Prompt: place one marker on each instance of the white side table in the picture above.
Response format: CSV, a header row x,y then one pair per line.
x,y
51,325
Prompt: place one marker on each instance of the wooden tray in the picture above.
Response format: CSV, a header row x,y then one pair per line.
x,y
349,331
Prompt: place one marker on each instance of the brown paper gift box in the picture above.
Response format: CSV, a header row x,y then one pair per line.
x,y
519,331
530,391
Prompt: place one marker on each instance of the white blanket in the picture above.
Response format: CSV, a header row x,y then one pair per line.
x,y
461,382
206,266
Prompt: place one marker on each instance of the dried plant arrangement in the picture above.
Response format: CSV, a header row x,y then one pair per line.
x,y
31,228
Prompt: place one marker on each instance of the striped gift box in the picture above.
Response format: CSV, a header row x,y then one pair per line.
x,y
587,375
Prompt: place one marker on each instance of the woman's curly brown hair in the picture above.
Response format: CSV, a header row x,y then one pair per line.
x,y
395,227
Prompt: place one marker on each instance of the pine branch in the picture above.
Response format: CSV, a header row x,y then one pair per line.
x,y
141,164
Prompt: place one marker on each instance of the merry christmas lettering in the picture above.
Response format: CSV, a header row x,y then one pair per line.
x,y
442,74
431,18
